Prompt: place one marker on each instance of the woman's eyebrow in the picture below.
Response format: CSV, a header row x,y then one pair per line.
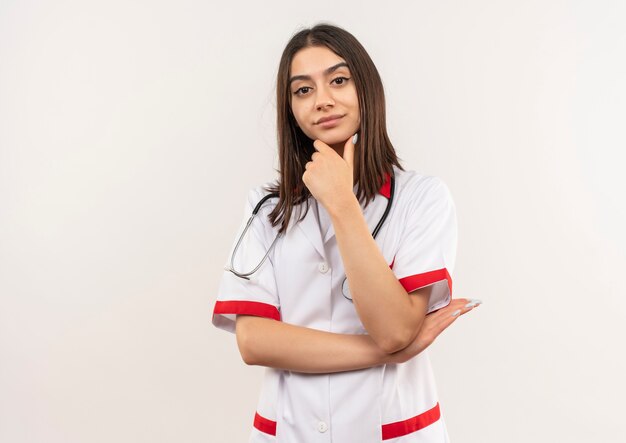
x,y
326,72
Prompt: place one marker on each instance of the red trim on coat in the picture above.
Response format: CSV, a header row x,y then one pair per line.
x,y
264,425
404,427
413,282
390,430
255,308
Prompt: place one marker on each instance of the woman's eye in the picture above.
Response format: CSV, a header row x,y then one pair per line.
x,y
301,90
305,89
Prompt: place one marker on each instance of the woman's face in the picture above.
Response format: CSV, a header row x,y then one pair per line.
x,y
321,87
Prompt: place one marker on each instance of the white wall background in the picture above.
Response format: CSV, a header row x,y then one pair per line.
x,y
130,132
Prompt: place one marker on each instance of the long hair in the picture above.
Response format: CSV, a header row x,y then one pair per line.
x,y
375,156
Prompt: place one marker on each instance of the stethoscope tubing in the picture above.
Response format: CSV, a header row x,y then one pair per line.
x,y
345,290
246,275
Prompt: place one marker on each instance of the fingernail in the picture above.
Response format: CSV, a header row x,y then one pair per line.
x,y
355,138
455,313
471,304
476,301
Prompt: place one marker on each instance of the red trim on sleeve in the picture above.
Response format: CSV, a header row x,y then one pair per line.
x,y
413,282
255,308
264,425
404,427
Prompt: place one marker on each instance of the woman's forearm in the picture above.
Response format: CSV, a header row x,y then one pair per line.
x,y
275,344
281,345
389,314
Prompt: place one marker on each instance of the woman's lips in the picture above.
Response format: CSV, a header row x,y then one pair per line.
x,y
330,123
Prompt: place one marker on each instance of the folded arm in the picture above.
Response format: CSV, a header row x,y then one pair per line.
x,y
280,345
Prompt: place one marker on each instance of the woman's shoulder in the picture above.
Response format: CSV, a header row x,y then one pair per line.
x,y
260,198
414,184
258,192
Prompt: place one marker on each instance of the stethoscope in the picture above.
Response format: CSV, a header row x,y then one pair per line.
x,y
345,289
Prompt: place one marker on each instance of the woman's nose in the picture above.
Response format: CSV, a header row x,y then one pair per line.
x,y
324,98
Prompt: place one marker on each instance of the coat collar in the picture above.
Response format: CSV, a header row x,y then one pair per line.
x,y
310,227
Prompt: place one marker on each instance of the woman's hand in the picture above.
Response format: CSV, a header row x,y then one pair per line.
x,y
329,176
434,324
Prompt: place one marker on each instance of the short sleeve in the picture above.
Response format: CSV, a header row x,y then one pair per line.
x,y
427,250
257,295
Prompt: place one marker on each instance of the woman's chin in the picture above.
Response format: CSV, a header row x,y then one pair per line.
x,y
335,139
333,136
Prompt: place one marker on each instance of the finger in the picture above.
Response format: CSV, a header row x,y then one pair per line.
x,y
444,324
321,146
455,304
470,305
436,324
446,316
348,150
464,309
448,319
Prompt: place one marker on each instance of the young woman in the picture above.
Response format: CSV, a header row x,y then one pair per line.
x,y
342,308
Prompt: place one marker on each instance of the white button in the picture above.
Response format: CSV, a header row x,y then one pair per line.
x,y
322,427
323,267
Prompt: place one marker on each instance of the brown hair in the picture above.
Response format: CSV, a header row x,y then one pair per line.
x,y
375,155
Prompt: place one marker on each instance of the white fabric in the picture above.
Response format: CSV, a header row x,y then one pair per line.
x,y
302,281
323,217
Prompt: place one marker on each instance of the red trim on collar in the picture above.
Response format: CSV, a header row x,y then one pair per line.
x,y
385,189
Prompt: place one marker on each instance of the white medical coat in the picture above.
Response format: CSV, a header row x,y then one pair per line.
x,y
300,284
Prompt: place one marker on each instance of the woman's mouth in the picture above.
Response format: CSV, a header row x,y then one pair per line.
x,y
331,122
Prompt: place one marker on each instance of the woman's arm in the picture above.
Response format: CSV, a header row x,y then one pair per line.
x,y
391,317
275,344
370,278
